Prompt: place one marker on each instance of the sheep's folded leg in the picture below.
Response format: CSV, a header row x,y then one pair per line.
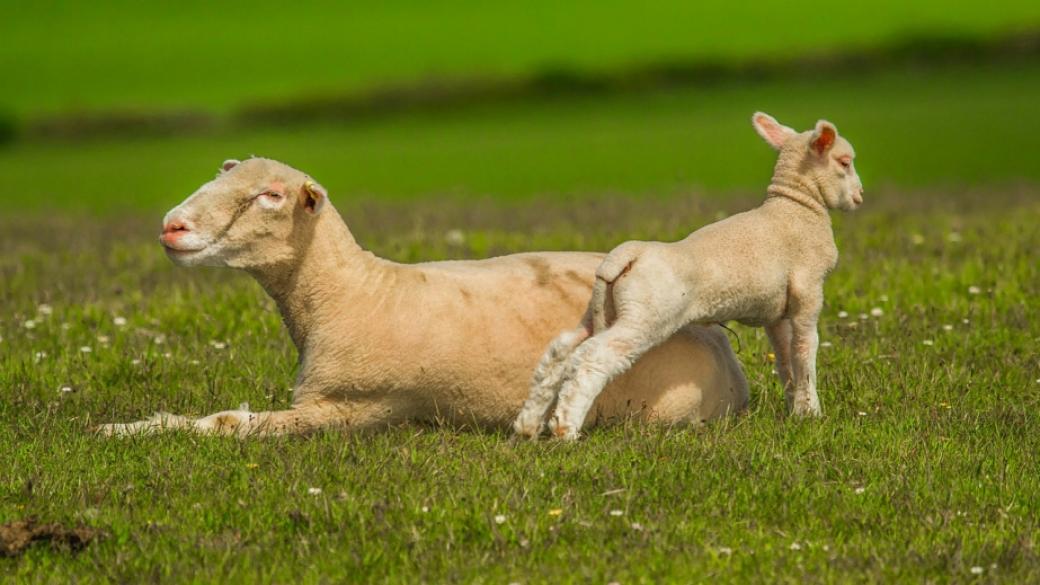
x,y
240,422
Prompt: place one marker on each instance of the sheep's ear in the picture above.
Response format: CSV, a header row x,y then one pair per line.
x,y
773,132
823,137
228,165
313,197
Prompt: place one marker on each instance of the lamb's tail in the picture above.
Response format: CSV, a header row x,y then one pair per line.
x,y
613,267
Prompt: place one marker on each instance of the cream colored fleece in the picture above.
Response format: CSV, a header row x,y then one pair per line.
x,y
380,343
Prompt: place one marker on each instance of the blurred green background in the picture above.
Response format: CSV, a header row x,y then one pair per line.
x,y
122,107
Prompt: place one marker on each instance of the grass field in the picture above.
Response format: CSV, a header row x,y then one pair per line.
x,y
924,467
81,55
947,127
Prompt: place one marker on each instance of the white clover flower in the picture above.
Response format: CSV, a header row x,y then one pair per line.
x,y
500,519
876,312
86,349
167,355
44,309
159,339
954,237
860,490
795,546
455,237
842,314
928,342
862,316
861,413
39,356
218,344
725,550
825,344
617,512
977,570
66,389
425,509
103,339
637,527
314,491
947,327
135,361
974,290
29,324
119,321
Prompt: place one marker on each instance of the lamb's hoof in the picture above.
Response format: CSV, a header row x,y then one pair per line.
x,y
527,429
562,431
806,411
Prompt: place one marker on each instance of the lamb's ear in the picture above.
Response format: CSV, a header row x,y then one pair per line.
x,y
823,137
313,197
773,132
228,165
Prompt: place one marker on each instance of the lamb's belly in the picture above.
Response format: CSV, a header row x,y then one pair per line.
x,y
755,311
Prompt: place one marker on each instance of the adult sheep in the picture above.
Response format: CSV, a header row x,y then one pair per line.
x,y
381,343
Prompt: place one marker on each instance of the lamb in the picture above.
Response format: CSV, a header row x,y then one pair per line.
x,y
763,267
380,343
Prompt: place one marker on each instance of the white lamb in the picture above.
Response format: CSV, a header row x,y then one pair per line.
x,y
380,342
763,267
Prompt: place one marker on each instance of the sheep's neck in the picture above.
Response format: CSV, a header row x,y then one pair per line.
x,y
790,184
327,277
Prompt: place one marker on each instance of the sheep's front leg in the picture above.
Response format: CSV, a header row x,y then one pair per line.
x,y
804,342
780,338
546,382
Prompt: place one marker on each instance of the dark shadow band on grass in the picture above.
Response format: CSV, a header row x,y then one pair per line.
x,y
440,94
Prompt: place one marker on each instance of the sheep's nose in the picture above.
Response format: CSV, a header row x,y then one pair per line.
x,y
173,230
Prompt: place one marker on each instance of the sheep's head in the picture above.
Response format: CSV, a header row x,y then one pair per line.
x,y
820,158
254,213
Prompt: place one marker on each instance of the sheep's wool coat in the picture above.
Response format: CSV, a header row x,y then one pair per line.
x,y
381,342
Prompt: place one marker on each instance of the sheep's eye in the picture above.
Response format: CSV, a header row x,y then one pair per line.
x,y
845,162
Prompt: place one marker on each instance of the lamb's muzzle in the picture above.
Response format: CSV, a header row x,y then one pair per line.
x,y
763,267
380,342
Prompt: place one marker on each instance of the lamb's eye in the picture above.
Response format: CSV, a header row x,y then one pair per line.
x,y
845,162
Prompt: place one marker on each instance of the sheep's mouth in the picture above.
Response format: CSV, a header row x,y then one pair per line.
x,y
175,250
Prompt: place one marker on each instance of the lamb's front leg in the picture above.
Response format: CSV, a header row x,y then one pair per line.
x,y
780,335
804,342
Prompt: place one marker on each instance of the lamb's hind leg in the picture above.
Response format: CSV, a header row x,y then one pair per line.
x,y
594,364
546,381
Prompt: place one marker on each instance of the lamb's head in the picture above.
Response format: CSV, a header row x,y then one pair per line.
x,y
255,213
818,159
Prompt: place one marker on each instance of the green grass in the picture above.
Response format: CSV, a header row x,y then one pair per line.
x,y
946,127
940,437
80,55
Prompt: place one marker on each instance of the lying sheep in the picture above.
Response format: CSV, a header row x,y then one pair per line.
x,y
763,267
380,342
